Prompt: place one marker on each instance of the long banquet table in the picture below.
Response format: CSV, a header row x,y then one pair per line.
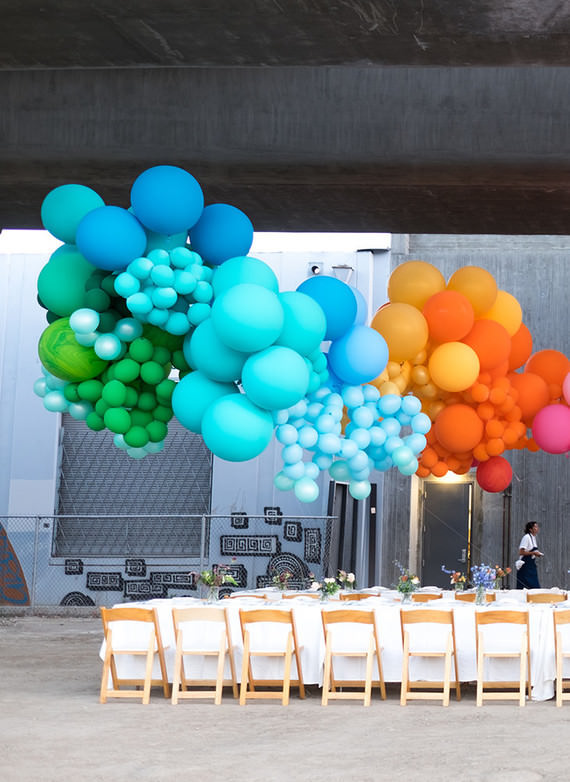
x,y
307,613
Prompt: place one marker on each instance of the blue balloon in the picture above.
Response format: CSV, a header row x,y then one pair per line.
x,y
193,395
306,490
163,298
359,489
162,275
362,417
294,471
358,356
353,396
292,454
411,405
64,208
308,437
235,429
389,404
286,434
248,317
421,423
110,238
391,426
311,471
222,232
337,300
282,482
204,350
361,437
140,268
139,303
410,468
361,308
236,271
328,443
304,324
167,199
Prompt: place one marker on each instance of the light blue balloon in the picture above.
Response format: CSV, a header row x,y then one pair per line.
x,y
159,257
358,462
55,402
336,413
126,284
391,426
328,443
203,350
361,437
311,471
157,447
294,471
177,323
371,393
87,340
136,453
182,257
337,301
299,410
411,405
164,298
158,317
240,269
222,232
421,423
377,436
339,470
107,346
306,490
79,410
382,465
361,475
325,423
323,461
193,395
84,321
235,429
360,490
314,410
247,317
304,324
402,455
40,387
403,418
110,238
162,274
184,282
322,393
140,268
348,449
410,468
376,453
167,199
287,435
53,382
280,417
283,482
358,356
308,437
65,206
353,396
139,303
292,454
417,442
392,443
361,308
119,442
389,404
362,416
198,313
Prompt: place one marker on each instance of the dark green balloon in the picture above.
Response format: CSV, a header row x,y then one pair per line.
x,y
141,349
137,437
164,391
61,283
162,413
161,355
70,392
132,397
98,300
118,420
140,417
101,407
95,422
147,401
152,373
126,370
90,390
114,393
179,361
157,431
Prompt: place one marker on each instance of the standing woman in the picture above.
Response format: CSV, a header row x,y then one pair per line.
x,y
527,577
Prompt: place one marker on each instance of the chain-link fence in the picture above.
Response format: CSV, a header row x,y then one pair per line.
x,y
102,560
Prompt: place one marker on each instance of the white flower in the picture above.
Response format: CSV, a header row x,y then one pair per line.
x,y
415,580
315,585
329,580
350,578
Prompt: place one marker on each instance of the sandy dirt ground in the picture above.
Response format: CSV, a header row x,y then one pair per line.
x,y
52,727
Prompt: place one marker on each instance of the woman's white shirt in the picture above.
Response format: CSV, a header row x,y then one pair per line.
x,y
528,542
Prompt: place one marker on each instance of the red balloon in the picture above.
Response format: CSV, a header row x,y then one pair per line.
x,y
495,474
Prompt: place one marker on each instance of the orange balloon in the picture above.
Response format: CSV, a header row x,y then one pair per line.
x,y
439,470
480,452
494,428
449,315
423,472
413,282
491,343
521,347
533,394
507,311
551,365
404,328
500,370
429,457
480,392
477,284
495,446
458,428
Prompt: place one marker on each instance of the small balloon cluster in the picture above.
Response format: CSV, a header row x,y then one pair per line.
x,y
458,346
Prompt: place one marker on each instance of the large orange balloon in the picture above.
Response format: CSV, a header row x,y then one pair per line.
x,y
414,282
491,342
551,365
404,328
477,284
454,366
507,311
458,428
533,394
449,315
521,347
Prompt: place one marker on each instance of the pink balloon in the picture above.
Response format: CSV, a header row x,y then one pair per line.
x,y
551,428
566,388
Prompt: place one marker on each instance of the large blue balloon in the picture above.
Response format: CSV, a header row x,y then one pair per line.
x,y
110,238
235,429
193,395
247,317
222,232
305,324
167,199
236,271
337,301
359,356
275,378
64,207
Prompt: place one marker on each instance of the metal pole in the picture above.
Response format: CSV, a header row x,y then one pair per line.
x,y
35,562
202,542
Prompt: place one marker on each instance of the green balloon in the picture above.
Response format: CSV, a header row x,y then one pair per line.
x,y
132,397
161,355
97,300
118,420
107,321
157,431
162,413
179,361
90,390
147,401
160,338
61,283
64,357
136,437
164,391
114,393
140,417
95,422
65,206
141,349
101,407
70,392
126,370
152,373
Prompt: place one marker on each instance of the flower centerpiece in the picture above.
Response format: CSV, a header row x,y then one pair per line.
x,y
214,578
457,579
281,579
407,584
483,578
328,587
346,580
500,573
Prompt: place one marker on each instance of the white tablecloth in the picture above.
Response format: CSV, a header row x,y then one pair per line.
x,y
308,622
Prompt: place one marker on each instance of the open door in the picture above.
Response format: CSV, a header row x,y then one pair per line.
x,y
446,530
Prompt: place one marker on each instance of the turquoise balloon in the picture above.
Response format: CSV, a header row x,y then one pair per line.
x,y
198,313
40,387
304,324
236,271
235,429
248,317
84,321
163,241
107,346
359,489
64,207
182,257
128,329
339,471
55,402
139,303
61,282
79,410
420,423
282,482
193,395
410,468
126,284
402,455
203,350
275,378
306,490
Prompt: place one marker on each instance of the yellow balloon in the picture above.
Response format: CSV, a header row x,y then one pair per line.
x,y
389,388
477,284
454,366
413,282
420,375
404,328
507,311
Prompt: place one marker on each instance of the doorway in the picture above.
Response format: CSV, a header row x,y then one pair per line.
x,y
446,530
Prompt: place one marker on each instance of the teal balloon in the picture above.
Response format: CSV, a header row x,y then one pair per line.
x,y
236,271
410,468
64,207
275,378
198,313
79,410
55,402
306,490
40,387
84,321
107,346
61,282
163,241
136,453
235,429
248,317
304,323
204,351
126,284
193,395
360,490
340,471
402,456
282,482
128,329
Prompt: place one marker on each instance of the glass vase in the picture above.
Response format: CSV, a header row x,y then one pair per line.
x,y
480,596
406,598
213,594
459,586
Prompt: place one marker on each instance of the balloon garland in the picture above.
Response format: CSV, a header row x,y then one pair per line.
x,y
167,284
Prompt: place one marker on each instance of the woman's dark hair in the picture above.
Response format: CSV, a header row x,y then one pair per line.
x,y
528,526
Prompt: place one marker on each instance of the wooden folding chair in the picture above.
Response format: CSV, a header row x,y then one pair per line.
x,y
312,595
561,618
546,597
424,597
356,595
151,647
182,619
486,617
248,595
330,684
469,597
410,689
248,682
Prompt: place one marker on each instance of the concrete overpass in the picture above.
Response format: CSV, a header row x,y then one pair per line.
x,y
423,116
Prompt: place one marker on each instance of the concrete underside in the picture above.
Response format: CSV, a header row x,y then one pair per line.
x,y
408,116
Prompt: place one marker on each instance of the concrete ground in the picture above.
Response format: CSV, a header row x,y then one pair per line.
x,y
52,727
